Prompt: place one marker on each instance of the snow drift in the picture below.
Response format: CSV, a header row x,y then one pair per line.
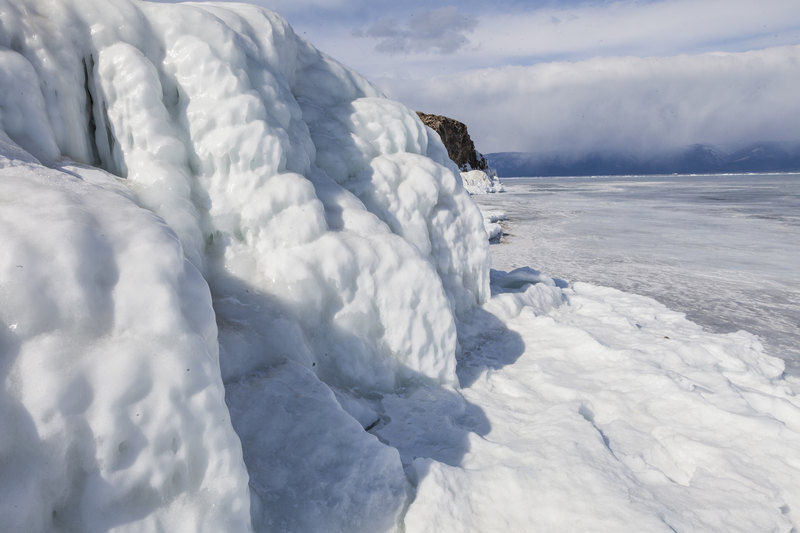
x,y
239,290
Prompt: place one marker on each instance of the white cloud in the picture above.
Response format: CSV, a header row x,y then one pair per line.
x,y
665,27
289,6
440,30
582,31
624,103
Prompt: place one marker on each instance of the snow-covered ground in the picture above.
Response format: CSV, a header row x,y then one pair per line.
x,y
241,291
598,410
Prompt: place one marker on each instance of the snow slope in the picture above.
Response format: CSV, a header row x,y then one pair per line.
x,y
241,290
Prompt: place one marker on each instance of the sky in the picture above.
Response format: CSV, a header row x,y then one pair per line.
x,y
576,76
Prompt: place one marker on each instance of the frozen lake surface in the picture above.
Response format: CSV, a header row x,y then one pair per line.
x,y
724,249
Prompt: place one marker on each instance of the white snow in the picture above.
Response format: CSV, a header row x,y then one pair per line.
x,y
240,290
605,411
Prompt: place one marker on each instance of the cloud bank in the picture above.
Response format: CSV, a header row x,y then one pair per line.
x,y
663,27
628,104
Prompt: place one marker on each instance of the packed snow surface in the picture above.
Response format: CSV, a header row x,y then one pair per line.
x,y
240,290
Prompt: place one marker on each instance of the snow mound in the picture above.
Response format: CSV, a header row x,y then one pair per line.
x,y
480,182
264,219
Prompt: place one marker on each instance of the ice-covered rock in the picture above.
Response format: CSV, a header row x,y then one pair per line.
x,y
477,176
456,139
482,182
492,224
264,218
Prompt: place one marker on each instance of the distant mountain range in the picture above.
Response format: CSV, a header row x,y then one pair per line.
x,y
694,159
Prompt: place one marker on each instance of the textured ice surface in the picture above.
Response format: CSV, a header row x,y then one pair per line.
x,y
492,224
239,289
278,224
112,408
605,411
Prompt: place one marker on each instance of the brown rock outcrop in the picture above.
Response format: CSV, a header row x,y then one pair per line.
x,y
456,139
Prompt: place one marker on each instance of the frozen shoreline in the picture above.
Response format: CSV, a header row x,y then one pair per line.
x,y
719,248
618,415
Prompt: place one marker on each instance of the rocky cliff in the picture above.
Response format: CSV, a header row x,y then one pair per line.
x,y
456,139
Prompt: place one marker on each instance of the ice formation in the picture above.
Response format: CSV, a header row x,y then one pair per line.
x,y
191,195
492,224
112,408
239,290
482,182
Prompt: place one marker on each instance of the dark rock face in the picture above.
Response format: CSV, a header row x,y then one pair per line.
x,y
456,139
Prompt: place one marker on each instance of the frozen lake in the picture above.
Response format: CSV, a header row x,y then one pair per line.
x,y
724,249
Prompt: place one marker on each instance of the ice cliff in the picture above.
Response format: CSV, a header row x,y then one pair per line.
x,y
200,207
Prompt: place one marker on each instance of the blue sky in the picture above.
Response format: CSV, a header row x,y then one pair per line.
x,y
576,75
